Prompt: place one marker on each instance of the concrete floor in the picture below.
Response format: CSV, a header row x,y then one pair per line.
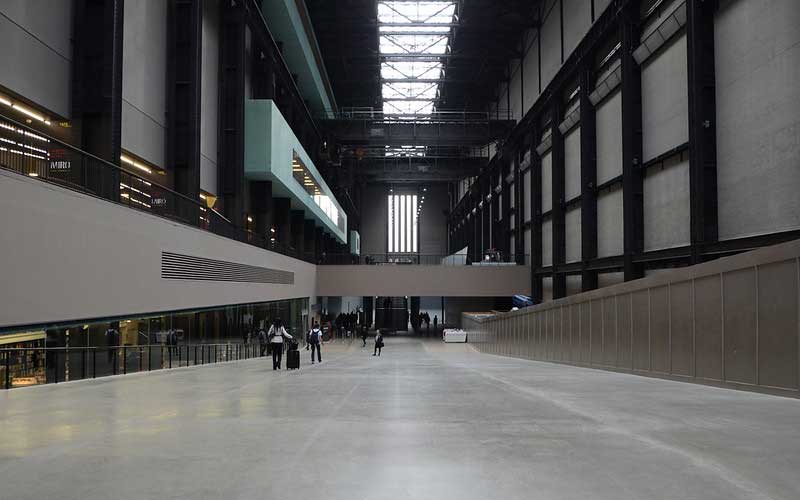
x,y
424,421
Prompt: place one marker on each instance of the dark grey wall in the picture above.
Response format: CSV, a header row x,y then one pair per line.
x,y
433,223
373,220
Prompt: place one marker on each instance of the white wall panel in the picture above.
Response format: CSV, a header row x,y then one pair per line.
x,y
572,228
36,51
547,243
551,43
515,90
608,279
526,184
600,7
577,20
609,224
572,163
209,97
665,100
574,285
110,256
757,44
547,182
547,289
666,206
528,249
144,62
608,117
530,66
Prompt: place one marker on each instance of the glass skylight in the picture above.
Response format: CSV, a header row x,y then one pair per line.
x,y
412,35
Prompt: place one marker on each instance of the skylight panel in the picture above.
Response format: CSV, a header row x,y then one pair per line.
x,y
414,44
411,36
410,90
408,107
415,12
411,69
420,28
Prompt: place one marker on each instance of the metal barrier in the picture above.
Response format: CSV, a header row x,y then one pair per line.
x,y
733,322
496,259
29,152
21,367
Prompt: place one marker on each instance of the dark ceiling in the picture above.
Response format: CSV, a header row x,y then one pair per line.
x,y
486,38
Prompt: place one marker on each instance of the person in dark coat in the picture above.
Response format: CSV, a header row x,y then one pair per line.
x,y
378,344
315,341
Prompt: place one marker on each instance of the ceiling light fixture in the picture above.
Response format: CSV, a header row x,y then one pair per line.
x,y
134,163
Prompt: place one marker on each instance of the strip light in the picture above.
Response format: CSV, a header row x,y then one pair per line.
x,y
24,110
23,132
125,186
22,153
134,163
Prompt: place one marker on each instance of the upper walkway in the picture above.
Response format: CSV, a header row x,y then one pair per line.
x,y
423,421
418,279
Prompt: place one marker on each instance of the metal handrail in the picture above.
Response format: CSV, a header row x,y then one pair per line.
x,y
102,178
57,364
424,259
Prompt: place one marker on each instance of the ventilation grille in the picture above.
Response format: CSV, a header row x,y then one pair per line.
x,y
175,266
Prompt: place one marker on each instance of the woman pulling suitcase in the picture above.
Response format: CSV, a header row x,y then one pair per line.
x,y
276,338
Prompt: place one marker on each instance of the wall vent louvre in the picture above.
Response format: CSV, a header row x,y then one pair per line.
x,y
175,266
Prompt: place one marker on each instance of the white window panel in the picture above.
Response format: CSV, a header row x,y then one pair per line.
x,y
410,90
408,107
416,12
411,69
414,44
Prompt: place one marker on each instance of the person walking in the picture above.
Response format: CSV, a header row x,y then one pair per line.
x,y
263,340
112,343
276,335
315,341
378,344
435,324
363,335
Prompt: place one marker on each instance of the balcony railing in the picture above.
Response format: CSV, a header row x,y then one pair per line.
x,y
382,259
29,152
50,365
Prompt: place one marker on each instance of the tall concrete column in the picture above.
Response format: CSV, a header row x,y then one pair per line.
x,y
297,220
282,222
310,241
318,232
261,205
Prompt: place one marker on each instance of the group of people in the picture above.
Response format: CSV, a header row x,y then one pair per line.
x,y
274,340
346,322
424,317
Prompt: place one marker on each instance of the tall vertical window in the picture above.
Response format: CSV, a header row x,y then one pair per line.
x,y
403,223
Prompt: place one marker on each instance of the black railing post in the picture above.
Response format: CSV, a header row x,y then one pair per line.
x,y
179,356
149,357
8,369
124,361
195,354
83,363
55,368
169,356
94,362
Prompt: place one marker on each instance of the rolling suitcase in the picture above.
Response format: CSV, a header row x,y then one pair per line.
x,y
292,359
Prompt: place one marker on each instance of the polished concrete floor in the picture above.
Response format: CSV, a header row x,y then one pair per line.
x,y
424,421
